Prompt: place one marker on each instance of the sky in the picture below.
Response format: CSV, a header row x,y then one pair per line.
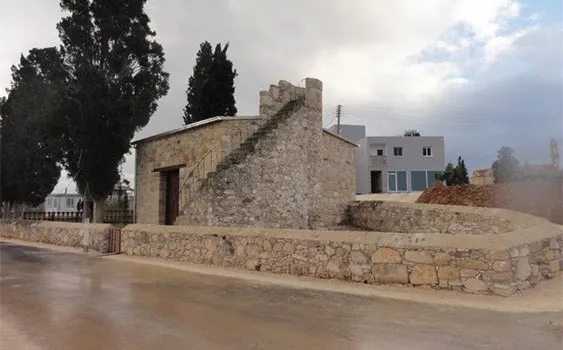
x,y
482,73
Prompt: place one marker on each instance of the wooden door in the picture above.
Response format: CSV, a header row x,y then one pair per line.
x,y
172,196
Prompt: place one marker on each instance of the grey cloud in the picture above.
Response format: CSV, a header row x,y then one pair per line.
x,y
283,40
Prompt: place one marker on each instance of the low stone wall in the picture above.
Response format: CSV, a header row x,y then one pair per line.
x,y
68,234
386,216
494,264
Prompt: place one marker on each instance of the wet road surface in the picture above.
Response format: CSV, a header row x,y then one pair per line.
x,y
69,301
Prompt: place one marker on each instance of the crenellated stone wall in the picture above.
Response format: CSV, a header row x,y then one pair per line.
x,y
386,216
498,264
68,234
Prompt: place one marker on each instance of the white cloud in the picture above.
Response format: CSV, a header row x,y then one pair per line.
x,y
497,45
534,17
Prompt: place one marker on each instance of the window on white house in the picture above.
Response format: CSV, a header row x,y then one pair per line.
x,y
427,151
380,152
70,202
398,151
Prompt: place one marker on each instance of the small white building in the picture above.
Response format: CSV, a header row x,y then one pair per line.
x,y
61,202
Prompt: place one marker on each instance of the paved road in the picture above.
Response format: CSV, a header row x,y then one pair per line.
x,y
63,301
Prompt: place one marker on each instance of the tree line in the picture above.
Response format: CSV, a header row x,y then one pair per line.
x,y
505,168
77,106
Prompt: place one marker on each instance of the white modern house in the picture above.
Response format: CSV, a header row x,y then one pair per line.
x,y
61,202
398,163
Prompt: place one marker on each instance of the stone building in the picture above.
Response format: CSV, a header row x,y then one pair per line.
x,y
482,177
278,169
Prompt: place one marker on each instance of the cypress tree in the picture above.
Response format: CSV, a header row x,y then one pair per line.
x,y
211,87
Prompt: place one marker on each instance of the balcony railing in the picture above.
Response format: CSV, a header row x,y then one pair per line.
x,y
377,160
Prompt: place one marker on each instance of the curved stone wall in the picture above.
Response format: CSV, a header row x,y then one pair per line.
x,y
386,216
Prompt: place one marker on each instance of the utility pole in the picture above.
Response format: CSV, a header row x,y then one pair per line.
x,y
338,113
2,211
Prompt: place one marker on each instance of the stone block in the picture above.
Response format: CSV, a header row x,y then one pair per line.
x,y
288,247
506,276
357,257
341,252
551,255
498,255
472,264
390,273
252,264
501,266
421,257
448,273
524,285
360,270
523,268
555,265
474,285
386,256
253,249
442,259
468,273
336,267
423,274
503,290
455,283
524,250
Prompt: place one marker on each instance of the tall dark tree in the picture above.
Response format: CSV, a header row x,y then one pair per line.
x,y
116,77
506,167
30,154
211,87
199,103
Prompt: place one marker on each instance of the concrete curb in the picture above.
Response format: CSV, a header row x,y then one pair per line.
x,y
547,297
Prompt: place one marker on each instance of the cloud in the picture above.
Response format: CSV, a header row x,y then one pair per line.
x,y
448,67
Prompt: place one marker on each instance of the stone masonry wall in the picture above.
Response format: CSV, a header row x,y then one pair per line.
x,y
500,264
338,178
387,216
57,233
183,149
279,183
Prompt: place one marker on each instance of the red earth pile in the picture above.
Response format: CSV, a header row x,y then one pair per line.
x,y
470,195
537,197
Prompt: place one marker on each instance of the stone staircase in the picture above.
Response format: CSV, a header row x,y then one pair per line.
x,y
198,178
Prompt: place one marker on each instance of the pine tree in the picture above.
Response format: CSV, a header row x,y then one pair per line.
x,y
211,87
